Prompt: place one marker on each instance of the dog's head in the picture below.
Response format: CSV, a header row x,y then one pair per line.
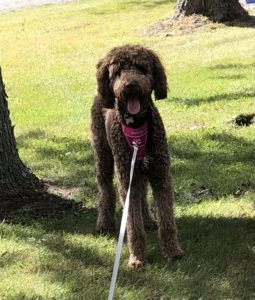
x,y
128,75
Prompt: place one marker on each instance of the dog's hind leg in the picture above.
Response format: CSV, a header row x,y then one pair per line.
x,y
160,180
149,222
163,195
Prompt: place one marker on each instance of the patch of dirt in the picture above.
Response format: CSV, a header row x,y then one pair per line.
x,y
182,26
59,190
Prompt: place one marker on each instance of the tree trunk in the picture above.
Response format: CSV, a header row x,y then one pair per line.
x,y
13,173
216,10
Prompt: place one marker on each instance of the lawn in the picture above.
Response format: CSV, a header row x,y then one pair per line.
x,y
48,58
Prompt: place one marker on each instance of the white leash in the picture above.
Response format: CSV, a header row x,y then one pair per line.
x,y
122,228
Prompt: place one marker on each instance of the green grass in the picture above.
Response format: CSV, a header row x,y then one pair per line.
x,y
48,57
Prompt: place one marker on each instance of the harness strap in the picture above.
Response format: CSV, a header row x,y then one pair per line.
x,y
122,227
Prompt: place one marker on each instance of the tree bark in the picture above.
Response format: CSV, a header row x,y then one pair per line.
x,y
216,10
13,173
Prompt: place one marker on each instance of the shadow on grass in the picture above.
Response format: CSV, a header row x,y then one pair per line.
x,y
66,162
236,66
53,212
135,5
219,263
230,77
149,4
220,256
215,98
243,23
220,161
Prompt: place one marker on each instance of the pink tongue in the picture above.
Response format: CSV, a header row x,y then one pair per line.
x,y
133,106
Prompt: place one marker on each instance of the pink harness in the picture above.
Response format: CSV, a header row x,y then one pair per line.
x,y
136,136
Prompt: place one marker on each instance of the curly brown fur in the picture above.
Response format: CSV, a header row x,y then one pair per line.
x,y
127,77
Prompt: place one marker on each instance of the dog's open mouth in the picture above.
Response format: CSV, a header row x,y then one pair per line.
x,y
133,106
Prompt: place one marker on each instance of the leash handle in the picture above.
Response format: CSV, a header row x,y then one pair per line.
x,y
122,227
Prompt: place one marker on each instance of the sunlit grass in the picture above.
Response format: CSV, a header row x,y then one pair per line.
x,y
48,58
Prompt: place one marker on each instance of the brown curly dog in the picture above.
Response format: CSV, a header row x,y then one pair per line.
x,y
126,78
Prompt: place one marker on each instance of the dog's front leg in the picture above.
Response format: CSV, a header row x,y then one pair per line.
x,y
104,172
135,224
122,155
107,197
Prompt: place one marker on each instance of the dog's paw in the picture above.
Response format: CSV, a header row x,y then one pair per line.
x,y
175,253
135,262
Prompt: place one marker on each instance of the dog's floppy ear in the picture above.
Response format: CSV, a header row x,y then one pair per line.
x,y
103,84
160,80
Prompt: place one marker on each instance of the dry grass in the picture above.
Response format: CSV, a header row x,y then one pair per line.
x,y
182,26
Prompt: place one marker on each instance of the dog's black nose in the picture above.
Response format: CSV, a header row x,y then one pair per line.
x,y
132,89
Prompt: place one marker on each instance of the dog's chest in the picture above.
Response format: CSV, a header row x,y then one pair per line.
x,y
136,137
